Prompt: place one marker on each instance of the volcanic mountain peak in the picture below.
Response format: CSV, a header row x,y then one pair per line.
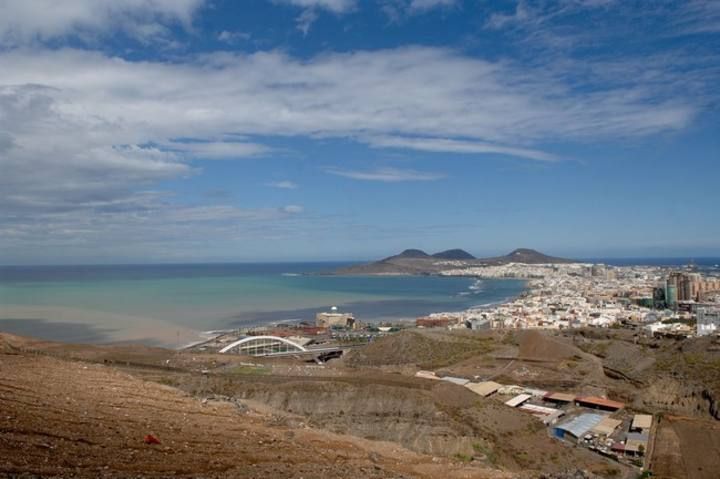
x,y
412,253
525,252
415,261
530,256
456,254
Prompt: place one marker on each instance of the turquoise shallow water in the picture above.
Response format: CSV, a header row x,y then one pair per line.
x,y
205,297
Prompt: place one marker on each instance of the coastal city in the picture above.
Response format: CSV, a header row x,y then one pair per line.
x,y
649,301
595,368
646,301
655,300
359,239
660,300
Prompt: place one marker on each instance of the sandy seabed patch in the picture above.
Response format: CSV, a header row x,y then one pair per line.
x,y
61,323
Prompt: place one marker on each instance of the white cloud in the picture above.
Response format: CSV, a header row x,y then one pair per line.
x,y
386,175
85,138
59,159
309,15
293,209
285,185
305,20
335,6
522,14
534,15
414,91
83,118
457,146
29,20
233,37
592,3
224,213
147,226
698,16
424,5
398,10
216,150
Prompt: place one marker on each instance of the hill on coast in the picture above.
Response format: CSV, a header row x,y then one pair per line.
x,y
526,256
420,254
416,261
453,254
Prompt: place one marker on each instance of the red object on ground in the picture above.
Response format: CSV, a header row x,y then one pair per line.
x,y
150,439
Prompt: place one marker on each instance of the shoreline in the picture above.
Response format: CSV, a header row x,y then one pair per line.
x,y
95,326
90,326
526,291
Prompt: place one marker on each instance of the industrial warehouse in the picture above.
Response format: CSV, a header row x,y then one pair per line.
x,y
601,425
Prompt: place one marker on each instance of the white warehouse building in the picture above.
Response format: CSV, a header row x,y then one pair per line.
x,y
708,321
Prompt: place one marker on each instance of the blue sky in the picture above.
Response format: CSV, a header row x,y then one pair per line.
x,y
199,130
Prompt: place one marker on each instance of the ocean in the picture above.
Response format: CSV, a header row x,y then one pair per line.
x,y
170,304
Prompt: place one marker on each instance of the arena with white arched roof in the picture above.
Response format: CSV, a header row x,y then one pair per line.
x,y
263,346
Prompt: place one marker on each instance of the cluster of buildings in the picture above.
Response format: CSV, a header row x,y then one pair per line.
x,y
683,286
600,424
576,295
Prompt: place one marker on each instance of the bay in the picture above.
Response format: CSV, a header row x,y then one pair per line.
x,y
168,304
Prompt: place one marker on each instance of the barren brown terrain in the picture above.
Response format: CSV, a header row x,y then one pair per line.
x,y
83,411
63,418
687,448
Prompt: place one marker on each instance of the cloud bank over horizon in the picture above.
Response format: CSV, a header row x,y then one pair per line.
x,y
89,137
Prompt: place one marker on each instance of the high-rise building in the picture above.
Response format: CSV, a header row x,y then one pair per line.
x,y
687,286
671,295
659,297
671,288
708,286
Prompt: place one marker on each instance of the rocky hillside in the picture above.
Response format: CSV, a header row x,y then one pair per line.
x,y
525,256
425,416
77,419
72,410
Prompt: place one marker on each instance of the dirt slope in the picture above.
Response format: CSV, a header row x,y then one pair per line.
x,y
686,448
428,417
62,418
537,346
421,348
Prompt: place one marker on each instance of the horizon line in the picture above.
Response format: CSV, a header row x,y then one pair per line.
x,y
588,259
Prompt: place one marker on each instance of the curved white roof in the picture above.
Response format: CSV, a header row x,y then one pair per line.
x,y
250,339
